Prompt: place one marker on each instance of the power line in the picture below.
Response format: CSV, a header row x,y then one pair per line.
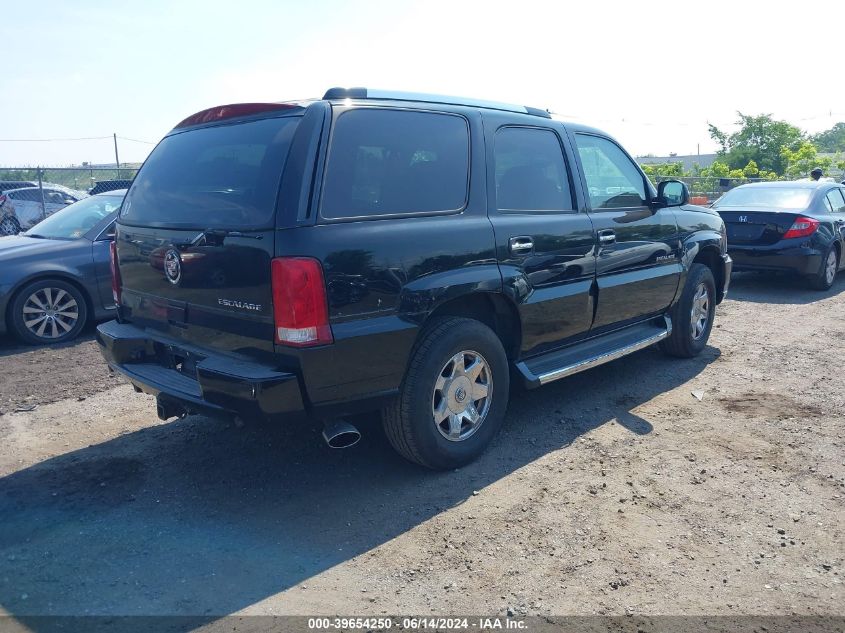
x,y
45,140
81,138
135,140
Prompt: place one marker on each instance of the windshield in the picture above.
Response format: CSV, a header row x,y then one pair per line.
x,y
768,197
223,176
76,219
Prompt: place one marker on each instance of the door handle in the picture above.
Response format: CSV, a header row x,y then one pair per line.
x,y
520,245
607,236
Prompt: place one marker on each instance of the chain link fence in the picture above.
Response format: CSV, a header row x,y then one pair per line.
x,y
30,194
708,189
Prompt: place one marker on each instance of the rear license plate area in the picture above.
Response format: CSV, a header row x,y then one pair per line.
x,y
745,232
178,359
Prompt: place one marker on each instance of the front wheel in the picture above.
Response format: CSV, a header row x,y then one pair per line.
x,y
454,396
692,315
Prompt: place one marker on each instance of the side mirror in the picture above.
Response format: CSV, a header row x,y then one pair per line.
x,y
672,193
69,201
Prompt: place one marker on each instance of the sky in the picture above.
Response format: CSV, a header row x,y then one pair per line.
x,y
653,74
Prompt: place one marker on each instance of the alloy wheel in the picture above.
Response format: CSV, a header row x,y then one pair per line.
x,y
50,313
830,267
700,313
462,395
8,227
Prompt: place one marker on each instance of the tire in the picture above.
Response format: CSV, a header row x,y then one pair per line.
x,y
48,311
9,226
421,423
689,335
826,274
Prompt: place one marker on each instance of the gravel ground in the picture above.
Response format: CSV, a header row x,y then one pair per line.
x,y
615,491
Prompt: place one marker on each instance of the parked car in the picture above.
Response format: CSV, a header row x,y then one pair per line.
x,y
796,227
406,253
56,276
5,185
109,185
22,208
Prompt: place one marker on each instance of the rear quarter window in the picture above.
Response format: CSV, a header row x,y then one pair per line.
x,y
221,176
386,162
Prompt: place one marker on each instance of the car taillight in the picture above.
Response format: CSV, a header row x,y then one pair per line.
x,y
2,199
300,308
802,227
115,273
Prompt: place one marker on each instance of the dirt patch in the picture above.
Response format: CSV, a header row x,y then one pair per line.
x,y
769,405
32,376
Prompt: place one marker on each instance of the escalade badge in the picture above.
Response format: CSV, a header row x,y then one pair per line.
x,y
172,266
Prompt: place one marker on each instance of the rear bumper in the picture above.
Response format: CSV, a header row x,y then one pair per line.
x,y
776,257
195,380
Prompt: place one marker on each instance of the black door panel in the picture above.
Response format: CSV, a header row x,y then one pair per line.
x,y
638,272
551,284
637,248
544,245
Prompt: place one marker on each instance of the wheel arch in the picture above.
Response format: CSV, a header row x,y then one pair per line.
x,y
491,308
710,256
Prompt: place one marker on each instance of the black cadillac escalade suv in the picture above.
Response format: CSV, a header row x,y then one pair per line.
x,y
397,252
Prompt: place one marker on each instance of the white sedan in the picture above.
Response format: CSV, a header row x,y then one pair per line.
x,y
20,209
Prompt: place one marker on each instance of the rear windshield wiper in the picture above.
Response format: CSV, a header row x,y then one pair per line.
x,y
218,235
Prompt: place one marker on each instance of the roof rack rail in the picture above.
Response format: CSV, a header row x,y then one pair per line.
x,y
368,93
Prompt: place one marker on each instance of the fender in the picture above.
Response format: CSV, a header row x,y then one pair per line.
x,y
424,295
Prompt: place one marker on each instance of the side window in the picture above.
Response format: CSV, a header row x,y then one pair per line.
x,y
385,162
613,179
531,174
28,195
837,202
828,204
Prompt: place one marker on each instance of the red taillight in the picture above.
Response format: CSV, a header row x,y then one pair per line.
x,y
2,199
115,273
802,227
220,113
300,309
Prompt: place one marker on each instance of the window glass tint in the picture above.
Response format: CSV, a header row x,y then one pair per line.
x,y
836,200
76,219
530,171
383,162
26,195
613,180
223,176
766,197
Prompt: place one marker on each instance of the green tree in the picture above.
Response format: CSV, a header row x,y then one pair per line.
x,y
668,170
800,162
759,139
832,140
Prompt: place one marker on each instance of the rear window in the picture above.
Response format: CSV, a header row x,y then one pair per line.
x,y
385,162
223,176
767,197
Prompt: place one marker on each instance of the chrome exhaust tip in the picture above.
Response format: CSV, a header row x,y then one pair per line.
x,y
340,434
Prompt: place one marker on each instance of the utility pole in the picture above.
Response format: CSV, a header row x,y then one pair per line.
x,y
116,159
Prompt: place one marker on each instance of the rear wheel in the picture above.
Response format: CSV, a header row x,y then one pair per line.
x,y
48,311
9,226
454,396
823,279
692,315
